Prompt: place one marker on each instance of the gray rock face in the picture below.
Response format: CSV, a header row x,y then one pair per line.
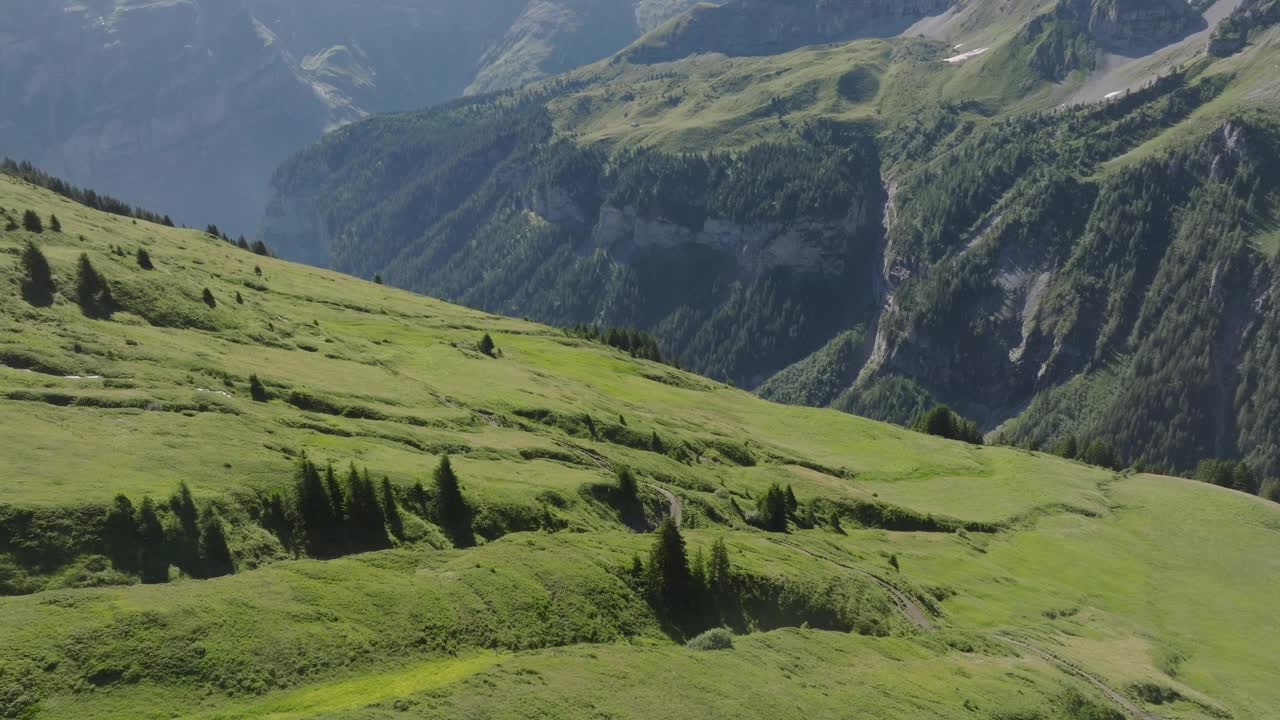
x,y
1128,25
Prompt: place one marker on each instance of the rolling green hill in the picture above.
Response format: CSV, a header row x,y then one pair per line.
x,y
918,577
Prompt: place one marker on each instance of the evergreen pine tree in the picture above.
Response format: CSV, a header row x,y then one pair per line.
x,y
242,243
120,535
54,224
144,259
366,523
37,277
257,390
451,511
315,510
486,345
31,222
207,297
628,488
418,495
215,554
260,248
792,503
391,510
92,293
719,572
655,443
377,278
153,556
773,509
186,541
669,577
336,496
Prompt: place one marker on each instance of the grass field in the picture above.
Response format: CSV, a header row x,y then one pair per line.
x,y
1145,582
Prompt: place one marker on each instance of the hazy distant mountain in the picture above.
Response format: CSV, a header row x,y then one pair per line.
x,y
190,104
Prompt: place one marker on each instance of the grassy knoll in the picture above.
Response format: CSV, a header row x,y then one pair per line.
x,y
1154,585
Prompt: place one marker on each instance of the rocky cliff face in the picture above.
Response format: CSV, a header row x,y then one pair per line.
x,y
189,105
1137,26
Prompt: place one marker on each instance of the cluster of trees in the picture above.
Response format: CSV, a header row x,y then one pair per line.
x,y
92,291
28,172
775,507
326,516
638,343
149,539
1232,474
32,223
256,247
691,596
1097,452
945,422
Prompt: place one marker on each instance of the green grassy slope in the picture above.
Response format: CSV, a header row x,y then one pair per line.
x,y
1145,582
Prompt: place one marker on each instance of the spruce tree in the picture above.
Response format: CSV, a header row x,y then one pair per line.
x,y
260,248
54,224
377,278
669,576
315,510
719,572
144,259
792,503
120,535
186,541
451,511
37,277
257,390
336,496
418,495
92,292
153,556
773,509
655,443
31,222
366,522
628,489
486,345
207,297
391,510
215,554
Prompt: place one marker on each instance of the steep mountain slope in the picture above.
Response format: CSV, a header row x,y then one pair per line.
x,y
993,255
190,105
936,579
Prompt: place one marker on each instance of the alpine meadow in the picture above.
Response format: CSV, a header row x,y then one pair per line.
x,y
640,359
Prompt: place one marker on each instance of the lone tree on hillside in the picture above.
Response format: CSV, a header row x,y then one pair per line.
x,y
37,277
451,511
486,345
257,390
144,260
31,222
54,224
207,297
92,291
669,579
628,488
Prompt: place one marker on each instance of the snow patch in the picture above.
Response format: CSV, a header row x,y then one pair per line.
x,y
81,377
1113,95
215,392
965,56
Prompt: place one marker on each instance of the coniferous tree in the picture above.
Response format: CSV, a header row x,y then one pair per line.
x,y
418,495
486,345
377,278
120,535
186,543
773,509
37,277
451,511
719,572
669,576
628,488
153,556
54,224
242,243
31,222
215,553
655,443
336,496
144,259
391,510
257,390
315,510
366,522
792,503
92,292
207,297
239,298
260,248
